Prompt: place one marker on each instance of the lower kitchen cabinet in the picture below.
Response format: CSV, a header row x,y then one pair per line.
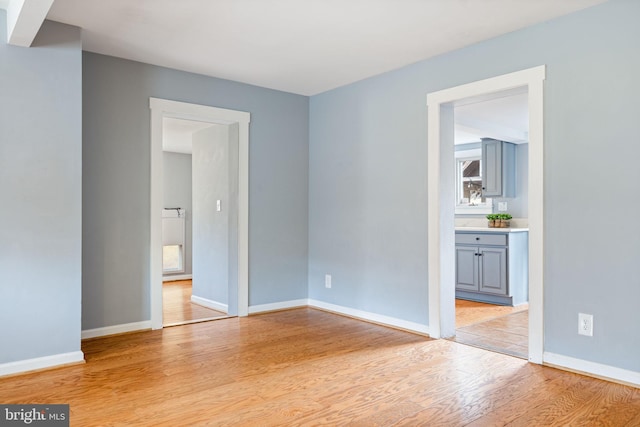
x,y
492,267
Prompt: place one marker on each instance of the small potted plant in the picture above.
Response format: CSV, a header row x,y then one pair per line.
x,y
504,220
492,218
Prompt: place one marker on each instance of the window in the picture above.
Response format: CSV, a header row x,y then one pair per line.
x,y
172,259
469,198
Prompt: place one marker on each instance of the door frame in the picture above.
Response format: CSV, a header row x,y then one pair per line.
x,y
161,108
440,213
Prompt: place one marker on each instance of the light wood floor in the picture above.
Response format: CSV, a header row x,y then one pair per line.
x,y
307,367
508,334
177,307
471,312
493,327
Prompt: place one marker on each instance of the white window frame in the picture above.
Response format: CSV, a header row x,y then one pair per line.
x,y
465,209
181,255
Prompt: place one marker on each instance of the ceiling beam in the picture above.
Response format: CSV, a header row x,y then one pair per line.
x,y
24,19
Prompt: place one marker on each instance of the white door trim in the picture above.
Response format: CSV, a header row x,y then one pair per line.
x,y
161,108
440,213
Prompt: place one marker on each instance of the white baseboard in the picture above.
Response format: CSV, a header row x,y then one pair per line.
x,y
261,308
214,305
599,370
116,329
41,363
351,312
176,277
371,317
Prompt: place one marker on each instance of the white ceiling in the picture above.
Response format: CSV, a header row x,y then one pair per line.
x,y
177,133
504,117
299,46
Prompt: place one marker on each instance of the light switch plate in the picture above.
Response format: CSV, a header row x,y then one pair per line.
x,y
327,281
218,207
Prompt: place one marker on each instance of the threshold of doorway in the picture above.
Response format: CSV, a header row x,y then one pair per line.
x,y
189,322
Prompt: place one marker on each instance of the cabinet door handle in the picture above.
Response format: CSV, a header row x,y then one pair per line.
x,y
477,238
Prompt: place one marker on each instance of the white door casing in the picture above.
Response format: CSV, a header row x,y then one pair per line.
x,y
440,212
161,108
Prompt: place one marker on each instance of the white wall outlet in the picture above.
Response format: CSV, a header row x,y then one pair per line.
x,y
502,206
585,324
327,281
218,205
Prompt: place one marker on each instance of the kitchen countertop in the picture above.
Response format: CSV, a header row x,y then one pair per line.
x,y
492,230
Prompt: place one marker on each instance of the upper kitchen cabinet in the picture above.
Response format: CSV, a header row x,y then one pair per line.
x,y
499,161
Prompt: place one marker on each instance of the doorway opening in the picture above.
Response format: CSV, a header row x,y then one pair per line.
x,y
200,167
219,241
441,219
491,287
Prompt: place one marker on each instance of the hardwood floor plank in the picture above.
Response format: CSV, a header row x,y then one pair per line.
x,y
306,367
635,418
476,398
470,312
495,334
492,344
586,402
536,396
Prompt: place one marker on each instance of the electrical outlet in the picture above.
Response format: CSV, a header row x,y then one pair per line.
x,y
327,281
585,324
502,206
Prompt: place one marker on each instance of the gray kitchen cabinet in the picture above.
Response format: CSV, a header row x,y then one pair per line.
x,y
492,267
467,273
481,269
499,173
492,270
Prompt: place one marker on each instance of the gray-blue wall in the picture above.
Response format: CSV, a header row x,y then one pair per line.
x,y
40,189
176,169
212,172
368,179
116,159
